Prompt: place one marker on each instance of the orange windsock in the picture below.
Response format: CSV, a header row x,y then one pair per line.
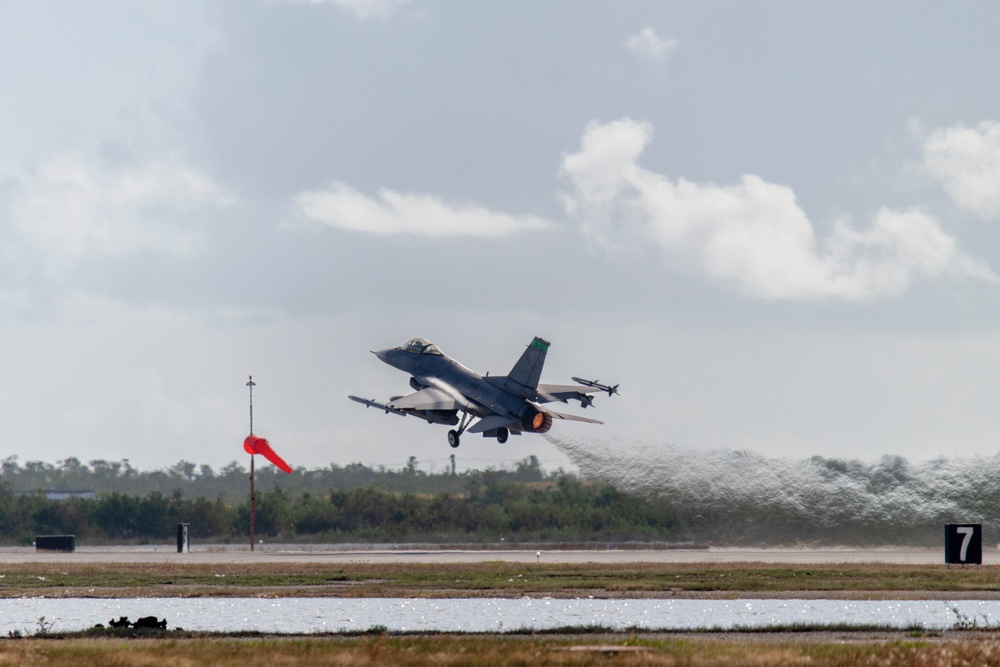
x,y
255,445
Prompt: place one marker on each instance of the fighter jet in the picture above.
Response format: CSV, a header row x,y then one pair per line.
x,y
446,392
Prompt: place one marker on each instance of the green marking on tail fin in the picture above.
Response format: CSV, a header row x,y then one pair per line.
x,y
541,344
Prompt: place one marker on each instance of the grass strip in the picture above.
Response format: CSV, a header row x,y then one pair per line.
x,y
493,579
822,650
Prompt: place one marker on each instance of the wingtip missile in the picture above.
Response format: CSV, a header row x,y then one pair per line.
x,y
596,384
375,404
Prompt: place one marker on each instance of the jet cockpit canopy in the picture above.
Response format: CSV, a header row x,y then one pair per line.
x,y
421,346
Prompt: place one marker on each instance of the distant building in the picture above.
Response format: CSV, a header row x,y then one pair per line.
x,y
59,494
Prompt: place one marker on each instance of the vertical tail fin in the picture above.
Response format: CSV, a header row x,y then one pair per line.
x,y
528,369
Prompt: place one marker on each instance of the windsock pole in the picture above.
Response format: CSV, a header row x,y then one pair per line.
x,y
253,496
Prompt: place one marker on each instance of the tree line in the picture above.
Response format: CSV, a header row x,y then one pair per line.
x,y
230,483
524,503
521,505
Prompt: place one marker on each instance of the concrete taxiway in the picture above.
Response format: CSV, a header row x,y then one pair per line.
x,y
403,554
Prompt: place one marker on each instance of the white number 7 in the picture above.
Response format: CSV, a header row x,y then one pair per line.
x,y
967,532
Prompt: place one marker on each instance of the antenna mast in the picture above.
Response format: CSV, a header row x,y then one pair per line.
x,y
253,495
251,384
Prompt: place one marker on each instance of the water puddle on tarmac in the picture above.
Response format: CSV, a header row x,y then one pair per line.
x,y
311,615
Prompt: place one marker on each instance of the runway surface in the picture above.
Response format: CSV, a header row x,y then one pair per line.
x,y
402,554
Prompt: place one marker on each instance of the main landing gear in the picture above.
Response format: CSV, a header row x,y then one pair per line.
x,y
455,435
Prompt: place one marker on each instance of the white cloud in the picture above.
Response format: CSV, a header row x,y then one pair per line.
x,y
751,234
649,44
966,162
68,209
365,9
397,213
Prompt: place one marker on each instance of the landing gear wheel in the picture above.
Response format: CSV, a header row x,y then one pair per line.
x,y
502,434
453,438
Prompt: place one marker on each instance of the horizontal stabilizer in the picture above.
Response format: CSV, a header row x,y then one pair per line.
x,y
574,418
564,392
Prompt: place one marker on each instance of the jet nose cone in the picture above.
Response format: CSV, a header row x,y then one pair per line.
x,y
381,354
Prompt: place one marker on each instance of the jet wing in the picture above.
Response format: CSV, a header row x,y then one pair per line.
x,y
429,398
548,393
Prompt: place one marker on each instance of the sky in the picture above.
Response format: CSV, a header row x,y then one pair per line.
x,y
774,224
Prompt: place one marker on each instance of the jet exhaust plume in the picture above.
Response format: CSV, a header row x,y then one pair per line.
x,y
740,497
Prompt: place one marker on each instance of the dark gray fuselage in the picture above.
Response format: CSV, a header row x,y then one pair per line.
x,y
442,372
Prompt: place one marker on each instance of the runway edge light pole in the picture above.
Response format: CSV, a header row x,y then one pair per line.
x,y
254,445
